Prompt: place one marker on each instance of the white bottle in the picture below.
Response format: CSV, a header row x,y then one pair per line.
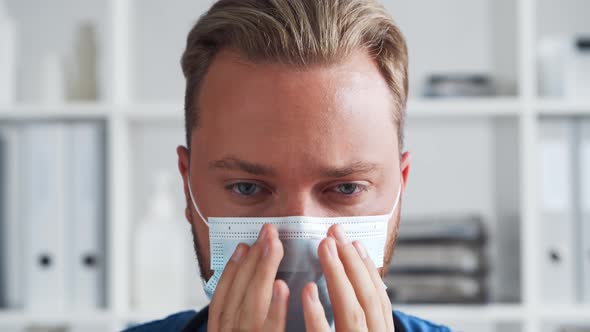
x,y
160,254
7,57
52,80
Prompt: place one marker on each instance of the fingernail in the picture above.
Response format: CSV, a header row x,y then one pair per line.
x,y
266,248
313,295
332,248
238,253
340,235
275,294
360,249
262,233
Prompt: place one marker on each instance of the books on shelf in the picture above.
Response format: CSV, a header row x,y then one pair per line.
x,y
54,232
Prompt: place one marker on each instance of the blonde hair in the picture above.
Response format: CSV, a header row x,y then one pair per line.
x,y
299,33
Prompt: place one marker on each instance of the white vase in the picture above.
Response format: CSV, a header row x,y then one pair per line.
x,y
52,80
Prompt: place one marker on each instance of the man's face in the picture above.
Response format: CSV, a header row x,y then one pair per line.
x,y
274,140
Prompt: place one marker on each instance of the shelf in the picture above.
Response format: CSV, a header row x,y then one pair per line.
x,y
439,313
557,107
416,108
444,313
69,111
464,107
173,111
144,317
566,313
167,111
16,317
77,111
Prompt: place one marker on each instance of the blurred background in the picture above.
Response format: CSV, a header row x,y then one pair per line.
x,y
495,231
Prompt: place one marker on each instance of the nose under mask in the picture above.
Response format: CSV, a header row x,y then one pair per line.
x,y
300,236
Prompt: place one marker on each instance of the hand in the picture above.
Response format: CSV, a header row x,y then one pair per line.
x,y
247,297
359,300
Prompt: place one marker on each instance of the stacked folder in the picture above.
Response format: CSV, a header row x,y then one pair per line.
x,y
439,260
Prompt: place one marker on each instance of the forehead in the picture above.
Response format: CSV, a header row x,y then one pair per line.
x,y
341,111
353,79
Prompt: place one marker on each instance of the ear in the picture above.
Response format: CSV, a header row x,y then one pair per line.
x,y
183,168
405,168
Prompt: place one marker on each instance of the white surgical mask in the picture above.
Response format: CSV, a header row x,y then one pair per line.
x,y
300,236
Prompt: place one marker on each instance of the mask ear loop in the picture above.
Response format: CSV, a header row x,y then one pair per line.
x,y
190,191
397,199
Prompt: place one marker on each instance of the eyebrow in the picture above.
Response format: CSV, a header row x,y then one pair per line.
x,y
233,163
356,167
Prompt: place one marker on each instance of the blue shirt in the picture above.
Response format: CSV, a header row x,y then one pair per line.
x,y
178,322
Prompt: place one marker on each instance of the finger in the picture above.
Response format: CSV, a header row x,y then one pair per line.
x,y
360,279
379,286
348,313
239,286
313,311
254,307
225,281
277,314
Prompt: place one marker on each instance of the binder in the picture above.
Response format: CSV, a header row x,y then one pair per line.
x,y
43,216
584,190
10,244
3,252
85,217
557,218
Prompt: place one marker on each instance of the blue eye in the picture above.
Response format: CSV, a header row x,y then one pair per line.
x,y
245,188
348,188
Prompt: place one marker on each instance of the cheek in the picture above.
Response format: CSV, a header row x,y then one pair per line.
x,y
392,230
204,247
201,237
393,226
187,215
202,233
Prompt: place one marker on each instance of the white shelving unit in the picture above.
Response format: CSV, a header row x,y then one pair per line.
x,y
135,97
